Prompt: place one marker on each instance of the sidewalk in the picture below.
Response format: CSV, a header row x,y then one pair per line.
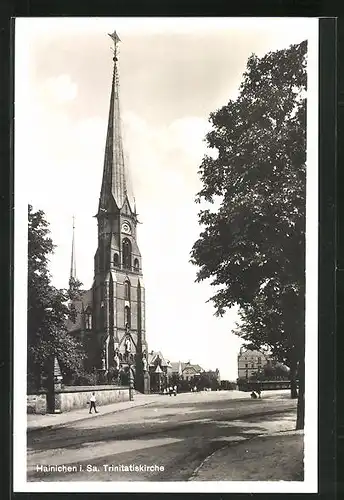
x,y
48,421
275,455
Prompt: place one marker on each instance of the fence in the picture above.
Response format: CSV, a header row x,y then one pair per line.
x,y
264,385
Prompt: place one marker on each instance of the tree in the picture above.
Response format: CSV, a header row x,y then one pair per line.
x,y
253,245
208,380
262,324
272,371
47,336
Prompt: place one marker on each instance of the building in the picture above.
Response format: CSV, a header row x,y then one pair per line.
x,y
186,371
110,317
251,362
160,371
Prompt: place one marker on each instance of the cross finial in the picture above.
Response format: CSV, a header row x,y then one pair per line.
x,y
114,37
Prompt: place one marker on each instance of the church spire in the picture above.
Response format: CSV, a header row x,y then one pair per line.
x,y
114,182
72,275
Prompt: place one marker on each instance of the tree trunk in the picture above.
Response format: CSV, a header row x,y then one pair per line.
x,y
293,384
300,419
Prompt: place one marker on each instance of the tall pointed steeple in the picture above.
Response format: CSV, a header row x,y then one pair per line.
x,y
114,182
72,275
118,305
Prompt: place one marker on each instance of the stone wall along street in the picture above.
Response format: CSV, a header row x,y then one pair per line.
x,y
73,398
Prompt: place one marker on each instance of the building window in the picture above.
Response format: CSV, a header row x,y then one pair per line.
x,y
136,265
116,259
127,317
246,365
88,320
127,291
126,251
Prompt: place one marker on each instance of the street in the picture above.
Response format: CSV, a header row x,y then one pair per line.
x,y
163,441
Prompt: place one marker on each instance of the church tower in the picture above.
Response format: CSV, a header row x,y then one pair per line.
x,y
118,292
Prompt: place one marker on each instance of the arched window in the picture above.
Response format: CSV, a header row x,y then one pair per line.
x,y
127,290
126,252
88,320
127,317
116,259
136,265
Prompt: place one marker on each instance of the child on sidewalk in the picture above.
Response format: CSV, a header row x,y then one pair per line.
x,y
93,403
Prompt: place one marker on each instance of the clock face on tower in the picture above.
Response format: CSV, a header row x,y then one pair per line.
x,y
126,228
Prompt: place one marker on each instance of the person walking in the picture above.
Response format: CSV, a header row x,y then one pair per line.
x,y
93,403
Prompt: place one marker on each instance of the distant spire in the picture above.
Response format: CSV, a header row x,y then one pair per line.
x,y
114,182
72,275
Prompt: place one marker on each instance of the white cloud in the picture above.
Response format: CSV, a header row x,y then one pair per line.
x,y
60,89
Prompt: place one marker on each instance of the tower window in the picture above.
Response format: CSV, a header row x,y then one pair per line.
x,y
88,320
136,264
127,316
127,290
116,259
126,251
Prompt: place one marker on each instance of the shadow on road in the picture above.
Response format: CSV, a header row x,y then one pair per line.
x,y
178,436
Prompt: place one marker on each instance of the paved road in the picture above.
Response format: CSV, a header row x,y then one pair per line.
x,y
172,436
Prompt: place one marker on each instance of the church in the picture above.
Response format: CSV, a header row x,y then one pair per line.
x,y
110,317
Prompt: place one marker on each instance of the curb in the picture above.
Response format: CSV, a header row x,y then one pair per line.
x,y
234,443
37,429
205,460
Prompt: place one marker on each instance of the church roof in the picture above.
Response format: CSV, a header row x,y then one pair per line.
x,y
114,174
81,304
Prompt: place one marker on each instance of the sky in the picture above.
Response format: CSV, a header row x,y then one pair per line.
x,y
173,74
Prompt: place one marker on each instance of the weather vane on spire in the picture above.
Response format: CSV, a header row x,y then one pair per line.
x,y
114,37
